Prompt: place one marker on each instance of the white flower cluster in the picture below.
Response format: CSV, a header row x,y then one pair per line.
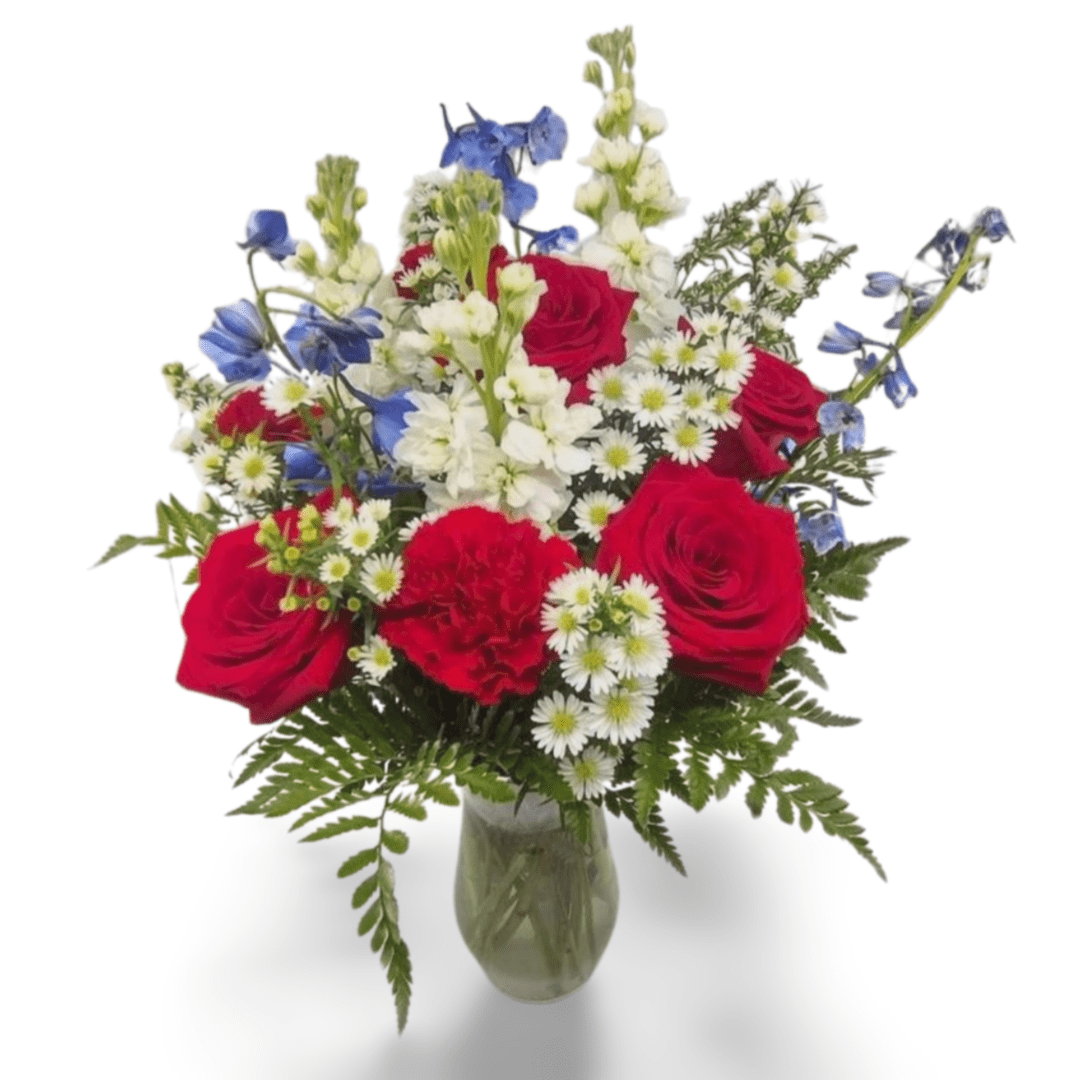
x,y
525,467
613,646
375,659
349,557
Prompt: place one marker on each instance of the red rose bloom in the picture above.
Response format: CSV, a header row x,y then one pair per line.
x,y
579,324
778,402
410,260
242,647
468,611
246,413
728,570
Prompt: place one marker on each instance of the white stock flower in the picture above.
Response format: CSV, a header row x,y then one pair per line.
x,y
650,121
523,384
481,315
549,435
611,155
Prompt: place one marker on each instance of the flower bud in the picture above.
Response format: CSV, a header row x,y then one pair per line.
x,y
593,74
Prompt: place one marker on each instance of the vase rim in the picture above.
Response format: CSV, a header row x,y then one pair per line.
x,y
537,811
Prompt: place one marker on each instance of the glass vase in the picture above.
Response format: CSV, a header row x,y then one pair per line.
x,y
535,905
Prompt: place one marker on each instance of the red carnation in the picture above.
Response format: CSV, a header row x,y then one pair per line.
x,y
778,402
410,260
468,611
579,323
246,413
728,570
242,647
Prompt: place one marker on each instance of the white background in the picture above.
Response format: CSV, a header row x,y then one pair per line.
x,y
146,935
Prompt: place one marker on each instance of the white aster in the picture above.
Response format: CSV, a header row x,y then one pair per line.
x,y
593,511
253,470
380,508
730,361
619,715
721,413
608,386
685,358
375,659
589,774
654,400
652,354
736,305
695,398
617,454
712,324
359,534
381,575
642,651
641,599
334,568
282,396
579,590
208,462
592,664
689,442
567,627
340,514
770,319
560,724
783,276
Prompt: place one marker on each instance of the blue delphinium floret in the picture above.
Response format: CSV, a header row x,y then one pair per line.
x,y
880,283
546,137
305,468
382,485
950,242
992,223
841,339
921,302
319,343
236,342
388,417
564,237
865,364
267,230
823,530
898,384
844,419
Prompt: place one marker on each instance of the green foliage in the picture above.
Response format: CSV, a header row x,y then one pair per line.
x,y
180,532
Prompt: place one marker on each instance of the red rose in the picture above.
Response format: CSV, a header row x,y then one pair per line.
x,y
468,612
246,413
579,324
728,569
778,402
242,647
410,260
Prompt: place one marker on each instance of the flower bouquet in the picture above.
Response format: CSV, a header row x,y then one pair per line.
x,y
555,526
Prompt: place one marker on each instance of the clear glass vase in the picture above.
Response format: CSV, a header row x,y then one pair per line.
x,y
535,906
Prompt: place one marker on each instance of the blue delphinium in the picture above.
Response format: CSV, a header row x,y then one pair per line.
x,y
950,242
319,343
844,419
841,339
388,417
546,137
823,530
267,230
921,302
565,236
382,485
992,223
236,342
305,468
898,384
881,283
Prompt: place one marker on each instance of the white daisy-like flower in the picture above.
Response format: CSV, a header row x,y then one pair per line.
x,y
654,400
578,590
814,210
721,413
619,714
689,443
642,652
208,462
253,470
695,398
641,599
711,324
777,203
593,511
592,664
783,276
736,305
340,514
560,724
643,687
652,354
685,358
730,360
282,396
360,533
408,530
617,454
608,386
567,627
374,659
334,568
770,319
380,508
381,575
589,774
